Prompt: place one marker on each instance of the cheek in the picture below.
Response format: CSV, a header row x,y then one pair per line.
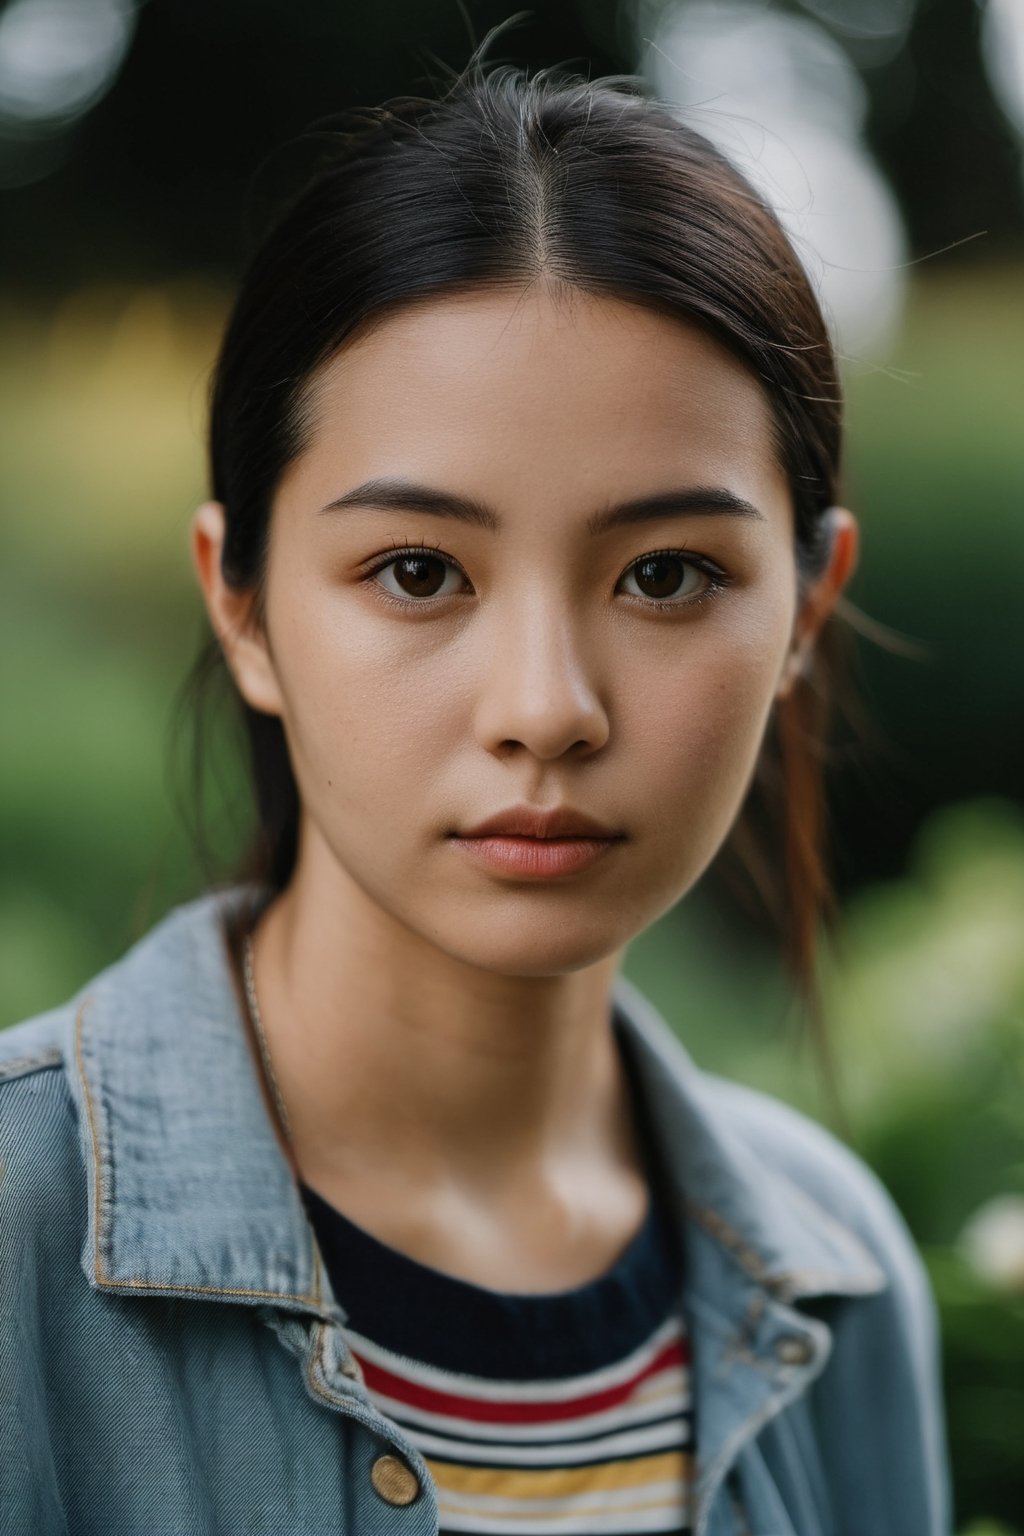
x,y
698,725
370,709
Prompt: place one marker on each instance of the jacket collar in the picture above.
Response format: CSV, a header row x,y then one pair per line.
x,y
771,1229
190,1195
188,1191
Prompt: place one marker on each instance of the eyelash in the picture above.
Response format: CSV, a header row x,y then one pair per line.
x,y
718,579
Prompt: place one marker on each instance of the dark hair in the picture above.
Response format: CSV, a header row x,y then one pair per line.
x,y
506,179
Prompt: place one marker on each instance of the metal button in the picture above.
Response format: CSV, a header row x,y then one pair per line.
x,y
393,1480
793,1349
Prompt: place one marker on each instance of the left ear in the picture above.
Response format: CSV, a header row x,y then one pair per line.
x,y
821,596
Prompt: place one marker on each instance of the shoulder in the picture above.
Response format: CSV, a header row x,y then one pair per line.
x,y
35,1102
43,1222
39,1159
839,1182
792,1190
33,1046
803,1149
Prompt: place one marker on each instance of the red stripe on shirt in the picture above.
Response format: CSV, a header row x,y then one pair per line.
x,y
406,1391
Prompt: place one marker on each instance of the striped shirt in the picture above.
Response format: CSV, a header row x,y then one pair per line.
x,y
563,1412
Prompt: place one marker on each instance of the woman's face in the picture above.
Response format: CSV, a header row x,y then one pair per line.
x,y
497,635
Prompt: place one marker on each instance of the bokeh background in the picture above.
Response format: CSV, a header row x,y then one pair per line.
x,y
142,149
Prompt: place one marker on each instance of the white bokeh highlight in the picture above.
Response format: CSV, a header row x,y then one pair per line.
x,y
1002,45
992,1242
58,57
778,95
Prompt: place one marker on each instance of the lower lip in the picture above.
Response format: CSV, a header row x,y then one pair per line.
x,y
536,858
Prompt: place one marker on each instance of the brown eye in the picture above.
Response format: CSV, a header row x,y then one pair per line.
x,y
665,576
418,574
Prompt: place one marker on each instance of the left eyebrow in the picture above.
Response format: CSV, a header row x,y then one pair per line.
x,y
405,496
692,501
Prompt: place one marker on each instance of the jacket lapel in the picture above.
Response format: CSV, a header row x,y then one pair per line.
x,y
188,1191
752,1243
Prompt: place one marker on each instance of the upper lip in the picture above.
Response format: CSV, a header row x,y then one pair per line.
x,y
528,821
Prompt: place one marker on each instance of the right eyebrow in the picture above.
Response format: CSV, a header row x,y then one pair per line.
x,y
399,495
406,496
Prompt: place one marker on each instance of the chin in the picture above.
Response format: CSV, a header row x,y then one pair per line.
x,y
555,948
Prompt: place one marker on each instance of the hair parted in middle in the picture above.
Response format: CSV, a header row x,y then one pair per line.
x,y
507,180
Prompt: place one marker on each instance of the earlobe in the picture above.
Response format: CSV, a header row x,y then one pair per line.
x,y
231,612
821,597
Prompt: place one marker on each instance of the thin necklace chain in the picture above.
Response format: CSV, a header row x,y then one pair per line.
x,y
257,1024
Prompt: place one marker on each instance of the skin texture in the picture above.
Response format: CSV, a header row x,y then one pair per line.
x,y
441,1032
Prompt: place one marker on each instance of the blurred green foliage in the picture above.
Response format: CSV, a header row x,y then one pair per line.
x,y
101,416
935,471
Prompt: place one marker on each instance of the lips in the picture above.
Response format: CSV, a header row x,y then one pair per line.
x,y
524,843
528,821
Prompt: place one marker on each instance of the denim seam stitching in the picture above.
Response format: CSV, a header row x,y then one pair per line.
x,y
318,1359
316,1268
139,1282
719,1228
20,1064
753,1263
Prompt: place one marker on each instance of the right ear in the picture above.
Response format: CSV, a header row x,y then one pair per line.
x,y
232,614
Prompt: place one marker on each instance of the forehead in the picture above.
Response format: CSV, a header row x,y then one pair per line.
x,y
592,395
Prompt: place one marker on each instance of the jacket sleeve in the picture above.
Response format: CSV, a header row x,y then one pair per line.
x,y
887,1351
878,1408
40,1197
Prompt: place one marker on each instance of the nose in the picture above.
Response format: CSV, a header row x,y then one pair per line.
x,y
538,688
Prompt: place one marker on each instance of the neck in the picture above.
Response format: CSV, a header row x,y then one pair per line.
x,y
405,1069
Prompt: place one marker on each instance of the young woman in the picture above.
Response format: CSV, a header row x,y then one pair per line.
x,y
364,1194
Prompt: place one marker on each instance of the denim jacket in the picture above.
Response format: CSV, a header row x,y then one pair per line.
x,y
173,1361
